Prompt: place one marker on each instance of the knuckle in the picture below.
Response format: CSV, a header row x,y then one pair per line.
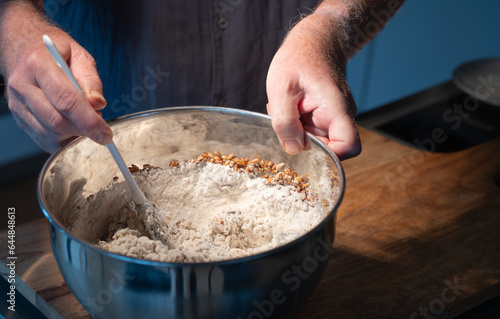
x,y
14,83
355,151
15,102
283,125
91,78
17,114
66,101
33,59
90,59
348,151
24,72
14,107
279,126
83,56
58,123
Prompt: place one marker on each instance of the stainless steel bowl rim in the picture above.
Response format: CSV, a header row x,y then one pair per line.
x,y
312,138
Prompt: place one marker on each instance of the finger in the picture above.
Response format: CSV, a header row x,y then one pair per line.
x,y
309,126
30,124
35,101
344,137
343,132
68,101
330,118
285,119
316,131
84,69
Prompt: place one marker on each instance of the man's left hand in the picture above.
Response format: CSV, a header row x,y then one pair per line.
x,y
307,91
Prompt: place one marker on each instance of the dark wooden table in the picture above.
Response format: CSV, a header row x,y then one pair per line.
x,y
418,235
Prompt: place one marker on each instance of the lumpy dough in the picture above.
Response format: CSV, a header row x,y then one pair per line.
x,y
211,213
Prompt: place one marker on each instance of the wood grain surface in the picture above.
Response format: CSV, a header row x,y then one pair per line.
x,y
418,235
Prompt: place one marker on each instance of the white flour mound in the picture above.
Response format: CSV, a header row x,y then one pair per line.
x,y
211,214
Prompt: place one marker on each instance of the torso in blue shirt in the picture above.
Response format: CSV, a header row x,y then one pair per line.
x,y
156,53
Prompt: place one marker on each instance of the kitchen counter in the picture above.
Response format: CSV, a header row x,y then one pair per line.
x,y
418,235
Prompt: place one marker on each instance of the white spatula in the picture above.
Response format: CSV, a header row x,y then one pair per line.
x,y
144,207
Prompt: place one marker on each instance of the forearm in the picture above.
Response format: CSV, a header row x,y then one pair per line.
x,y
357,21
342,27
21,24
336,30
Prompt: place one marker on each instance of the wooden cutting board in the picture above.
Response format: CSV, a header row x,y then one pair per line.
x,y
418,235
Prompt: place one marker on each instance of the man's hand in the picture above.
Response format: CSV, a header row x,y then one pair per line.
x,y
307,91
306,84
40,96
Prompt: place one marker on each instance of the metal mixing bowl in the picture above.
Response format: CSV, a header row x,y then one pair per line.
x,y
273,283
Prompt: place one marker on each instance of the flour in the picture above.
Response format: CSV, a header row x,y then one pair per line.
x,y
211,213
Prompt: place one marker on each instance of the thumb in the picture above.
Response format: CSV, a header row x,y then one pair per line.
x,y
84,69
286,123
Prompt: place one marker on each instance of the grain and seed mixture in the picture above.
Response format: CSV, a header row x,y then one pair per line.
x,y
214,207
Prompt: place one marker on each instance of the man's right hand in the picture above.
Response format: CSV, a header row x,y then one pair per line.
x,y
41,97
